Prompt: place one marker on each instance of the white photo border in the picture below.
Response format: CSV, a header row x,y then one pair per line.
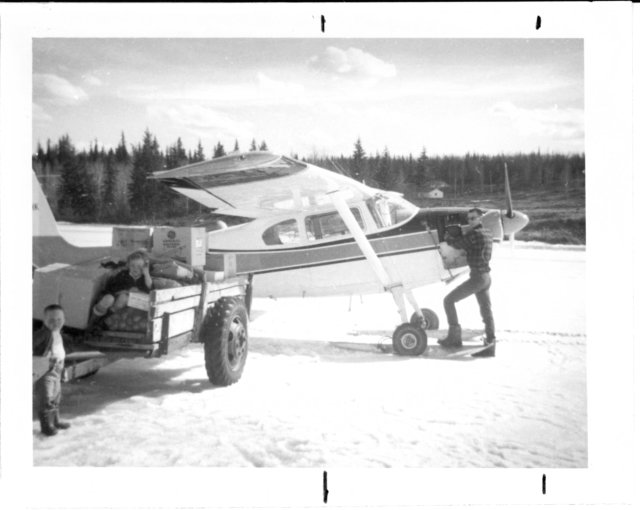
x,y
607,33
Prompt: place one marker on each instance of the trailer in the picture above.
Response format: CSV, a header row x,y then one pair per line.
x,y
214,313
188,303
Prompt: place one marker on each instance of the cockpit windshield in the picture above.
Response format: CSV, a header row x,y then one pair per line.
x,y
390,209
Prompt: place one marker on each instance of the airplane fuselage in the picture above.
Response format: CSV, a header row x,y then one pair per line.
x,y
336,268
297,263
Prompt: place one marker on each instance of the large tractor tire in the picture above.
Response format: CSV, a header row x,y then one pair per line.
x,y
226,341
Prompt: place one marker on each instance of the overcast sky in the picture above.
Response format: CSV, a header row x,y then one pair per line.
x,y
451,96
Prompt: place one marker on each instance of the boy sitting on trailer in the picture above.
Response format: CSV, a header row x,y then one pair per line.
x,y
135,277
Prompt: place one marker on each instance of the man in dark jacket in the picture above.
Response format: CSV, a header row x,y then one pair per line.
x,y
48,342
478,243
116,294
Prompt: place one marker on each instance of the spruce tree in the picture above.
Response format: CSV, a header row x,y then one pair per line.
x,y
421,175
219,151
384,173
263,146
236,147
50,155
199,154
143,192
253,145
94,152
176,155
77,193
358,165
40,156
172,203
122,155
109,187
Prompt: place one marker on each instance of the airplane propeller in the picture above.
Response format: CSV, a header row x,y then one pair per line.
x,y
507,189
512,221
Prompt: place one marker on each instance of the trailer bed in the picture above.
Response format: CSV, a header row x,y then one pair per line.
x,y
174,319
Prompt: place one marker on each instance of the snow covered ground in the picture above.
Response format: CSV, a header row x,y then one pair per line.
x,y
307,400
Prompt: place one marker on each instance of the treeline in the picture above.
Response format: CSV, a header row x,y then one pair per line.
x,y
459,175
97,185
112,186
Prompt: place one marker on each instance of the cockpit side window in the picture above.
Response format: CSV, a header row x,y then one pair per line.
x,y
322,226
285,232
388,211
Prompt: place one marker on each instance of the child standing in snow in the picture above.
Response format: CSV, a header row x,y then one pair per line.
x,y
48,342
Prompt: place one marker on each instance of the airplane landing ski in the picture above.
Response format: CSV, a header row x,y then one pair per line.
x,y
468,350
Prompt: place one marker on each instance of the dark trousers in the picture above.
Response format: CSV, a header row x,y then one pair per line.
x,y
49,388
478,284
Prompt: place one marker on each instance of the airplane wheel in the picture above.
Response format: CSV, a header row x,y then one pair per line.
x,y
409,340
225,336
430,318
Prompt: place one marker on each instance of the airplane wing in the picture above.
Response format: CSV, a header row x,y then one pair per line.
x,y
255,183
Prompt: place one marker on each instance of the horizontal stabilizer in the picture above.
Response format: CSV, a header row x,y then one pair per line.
x,y
48,245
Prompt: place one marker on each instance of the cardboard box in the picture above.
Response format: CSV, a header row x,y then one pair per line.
x,y
131,238
452,257
188,244
75,288
138,300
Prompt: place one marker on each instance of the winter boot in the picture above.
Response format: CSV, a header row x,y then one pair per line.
x,y
96,322
59,424
46,423
453,338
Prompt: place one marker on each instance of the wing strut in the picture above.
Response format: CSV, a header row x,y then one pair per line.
x,y
395,287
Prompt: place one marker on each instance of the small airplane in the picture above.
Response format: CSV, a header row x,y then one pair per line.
x,y
301,230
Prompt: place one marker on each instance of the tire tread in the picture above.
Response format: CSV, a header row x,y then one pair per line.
x,y
213,334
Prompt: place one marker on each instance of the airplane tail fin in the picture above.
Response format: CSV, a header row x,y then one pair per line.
x,y
49,245
44,224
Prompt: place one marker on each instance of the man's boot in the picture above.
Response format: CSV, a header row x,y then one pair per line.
x,y
59,424
453,338
46,423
